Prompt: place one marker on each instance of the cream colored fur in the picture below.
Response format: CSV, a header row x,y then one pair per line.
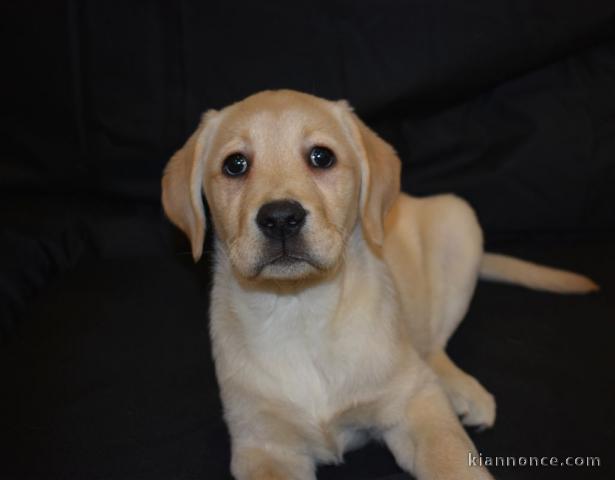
x,y
312,356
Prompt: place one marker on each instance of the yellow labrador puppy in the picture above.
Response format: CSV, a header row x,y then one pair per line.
x,y
334,294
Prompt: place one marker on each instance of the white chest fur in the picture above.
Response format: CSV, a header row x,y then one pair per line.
x,y
285,342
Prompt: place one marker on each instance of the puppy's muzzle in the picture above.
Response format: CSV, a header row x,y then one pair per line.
x,y
281,219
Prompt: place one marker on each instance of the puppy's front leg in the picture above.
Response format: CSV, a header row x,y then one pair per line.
x,y
267,446
271,462
430,442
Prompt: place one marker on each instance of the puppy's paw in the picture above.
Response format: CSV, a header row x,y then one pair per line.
x,y
474,404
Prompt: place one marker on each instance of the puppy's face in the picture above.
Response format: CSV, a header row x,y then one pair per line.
x,y
282,183
286,176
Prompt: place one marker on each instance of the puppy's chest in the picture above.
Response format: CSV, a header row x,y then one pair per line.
x,y
300,354
298,367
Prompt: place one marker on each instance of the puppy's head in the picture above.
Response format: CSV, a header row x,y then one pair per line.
x,y
287,176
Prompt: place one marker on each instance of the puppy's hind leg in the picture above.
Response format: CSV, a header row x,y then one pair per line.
x,y
453,273
470,400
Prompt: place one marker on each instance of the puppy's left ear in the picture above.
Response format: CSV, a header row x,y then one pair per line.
x,y
182,185
380,175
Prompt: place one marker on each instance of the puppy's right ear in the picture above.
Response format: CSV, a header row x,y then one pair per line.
x,y
380,175
182,185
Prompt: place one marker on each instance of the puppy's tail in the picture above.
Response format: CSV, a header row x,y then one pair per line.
x,y
502,268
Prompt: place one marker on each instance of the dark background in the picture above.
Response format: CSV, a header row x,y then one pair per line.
x,y
105,369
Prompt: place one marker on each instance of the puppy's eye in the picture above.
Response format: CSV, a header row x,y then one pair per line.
x,y
235,165
321,157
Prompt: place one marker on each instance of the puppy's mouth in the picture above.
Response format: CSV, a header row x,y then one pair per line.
x,y
288,259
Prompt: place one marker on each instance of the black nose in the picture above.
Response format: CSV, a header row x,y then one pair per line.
x,y
281,219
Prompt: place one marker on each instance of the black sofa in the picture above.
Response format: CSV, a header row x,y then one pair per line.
x,y
105,368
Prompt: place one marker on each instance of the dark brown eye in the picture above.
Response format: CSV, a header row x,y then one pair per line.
x,y
321,157
235,165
